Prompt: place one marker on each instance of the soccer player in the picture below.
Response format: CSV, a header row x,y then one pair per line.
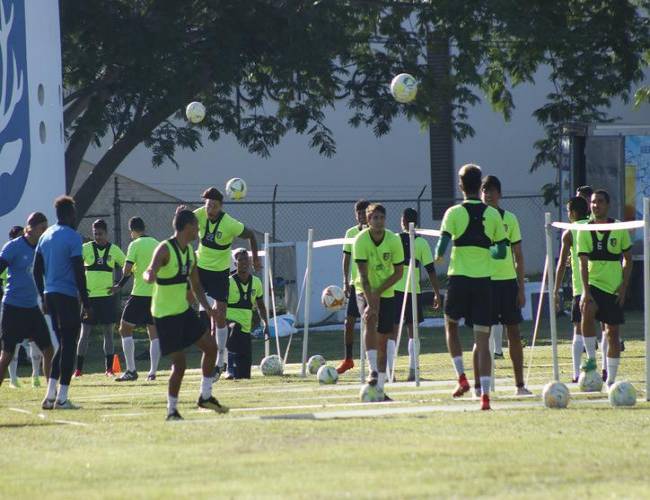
x,y
578,213
21,316
423,257
605,282
61,282
177,324
245,291
349,277
477,235
137,310
100,259
379,256
507,282
217,230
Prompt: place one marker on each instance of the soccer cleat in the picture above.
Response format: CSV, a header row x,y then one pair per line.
x,y
229,376
345,365
622,345
372,379
387,398
151,377
604,374
523,391
109,373
216,373
14,384
498,355
77,373
128,376
477,390
485,402
48,404
462,387
65,405
211,403
36,381
411,377
173,416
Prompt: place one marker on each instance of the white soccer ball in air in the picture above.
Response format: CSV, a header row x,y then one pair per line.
x,y
404,88
371,394
314,363
271,365
590,381
622,394
327,375
333,298
556,395
195,112
236,189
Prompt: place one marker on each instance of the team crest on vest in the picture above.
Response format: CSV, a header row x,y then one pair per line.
x,y
613,240
219,234
209,237
386,255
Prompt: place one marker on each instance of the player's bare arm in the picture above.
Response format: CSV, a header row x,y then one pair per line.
x,y
518,256
562,263
248,234
627,271
160,258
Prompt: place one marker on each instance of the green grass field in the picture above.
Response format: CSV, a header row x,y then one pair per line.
x,y
291,438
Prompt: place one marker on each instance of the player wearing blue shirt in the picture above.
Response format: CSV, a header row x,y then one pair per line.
x,y
21,317
61,281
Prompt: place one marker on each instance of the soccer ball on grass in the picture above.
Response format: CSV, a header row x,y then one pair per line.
x,y
271,365
622,394
327,375
314,363
556,395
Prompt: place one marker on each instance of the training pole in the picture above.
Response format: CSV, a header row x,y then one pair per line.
x,y
550,270
540,303
414,304
407,286
305,335
646,292
267,262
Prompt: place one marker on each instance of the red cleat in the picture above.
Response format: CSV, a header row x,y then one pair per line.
x,y
77,373
346,364
485,402
462,387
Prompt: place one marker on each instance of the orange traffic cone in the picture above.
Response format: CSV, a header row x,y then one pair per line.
x,y
117,368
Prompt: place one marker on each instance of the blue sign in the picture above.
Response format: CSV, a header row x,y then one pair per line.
x,y
15,155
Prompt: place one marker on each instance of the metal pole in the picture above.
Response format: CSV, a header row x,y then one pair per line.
x,y
550,268
646,292
267,339
418,201
414,304
273,220
305,335
117,219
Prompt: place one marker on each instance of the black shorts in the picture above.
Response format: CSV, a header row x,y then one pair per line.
x,y
353,308
408,313
609,312
215,283
20,323
385,320
576,314
102,311
64,311
137,311
178,332
469,298
505,310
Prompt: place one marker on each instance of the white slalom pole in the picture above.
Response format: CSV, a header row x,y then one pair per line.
x,y
414,304
400,329
550,270
492,345
305,335
275,315
646,292
362,348
538,316
267,262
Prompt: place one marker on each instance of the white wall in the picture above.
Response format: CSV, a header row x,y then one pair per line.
x,y
32,156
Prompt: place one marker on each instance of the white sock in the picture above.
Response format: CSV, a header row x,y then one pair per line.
x,y
411,355
51,389
128,346
206,387
154,354
372,359
612,363
172,402
486,383
576,353
497,335
63,393
458,365
590,346
36,356
604,348
222,338
390,355
381,379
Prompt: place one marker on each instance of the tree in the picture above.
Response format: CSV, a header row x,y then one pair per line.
x,y
265,67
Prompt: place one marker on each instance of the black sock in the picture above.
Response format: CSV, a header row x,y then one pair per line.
x,y
109,362
348,351
80,363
